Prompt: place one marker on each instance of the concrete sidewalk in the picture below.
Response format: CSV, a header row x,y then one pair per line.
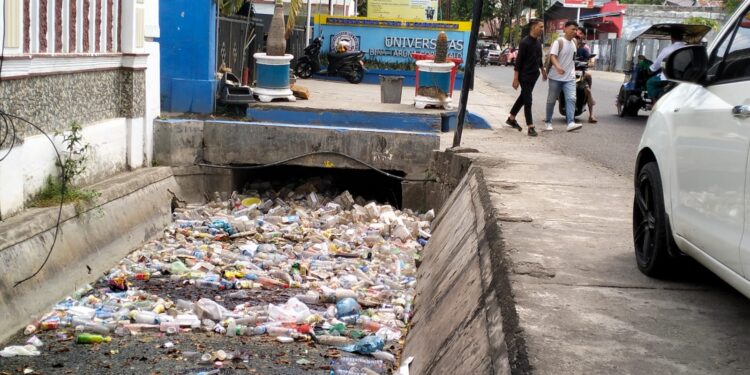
x,y
582,305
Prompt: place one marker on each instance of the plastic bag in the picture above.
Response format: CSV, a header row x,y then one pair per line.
x,y
367,345
206,308
293,311
14,350
347,307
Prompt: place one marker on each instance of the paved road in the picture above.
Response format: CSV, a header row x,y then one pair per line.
x,y
612,142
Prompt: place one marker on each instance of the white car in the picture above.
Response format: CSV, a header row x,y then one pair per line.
x,y
692,180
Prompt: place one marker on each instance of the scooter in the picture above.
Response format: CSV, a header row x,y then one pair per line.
x,y
581,98
347,64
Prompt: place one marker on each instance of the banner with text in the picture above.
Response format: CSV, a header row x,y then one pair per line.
x,y
406,9
392,40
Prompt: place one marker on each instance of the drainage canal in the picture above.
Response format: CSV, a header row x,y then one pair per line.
x,y
301,270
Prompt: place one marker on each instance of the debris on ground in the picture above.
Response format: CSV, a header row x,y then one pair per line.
x,y
293,267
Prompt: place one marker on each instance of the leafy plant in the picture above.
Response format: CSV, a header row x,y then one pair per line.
x,y
75,155
713,24
74,159
229,7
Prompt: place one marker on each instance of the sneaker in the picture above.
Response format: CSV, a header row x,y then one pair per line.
x,y
532,132
548,126
573,126
513,124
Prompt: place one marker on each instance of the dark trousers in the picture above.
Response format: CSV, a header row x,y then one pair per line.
x,y
524,100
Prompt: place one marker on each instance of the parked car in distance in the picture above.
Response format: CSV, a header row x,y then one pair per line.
x,y
494,55
508,56
691,171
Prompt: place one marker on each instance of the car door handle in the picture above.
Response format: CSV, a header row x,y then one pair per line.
x,y
741,111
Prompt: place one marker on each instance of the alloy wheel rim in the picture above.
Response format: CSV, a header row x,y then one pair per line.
x,y
644,235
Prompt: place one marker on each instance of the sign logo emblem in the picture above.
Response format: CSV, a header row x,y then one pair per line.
x,y
345,36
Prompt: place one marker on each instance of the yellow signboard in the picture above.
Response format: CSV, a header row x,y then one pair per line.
x,y
322,19
405,9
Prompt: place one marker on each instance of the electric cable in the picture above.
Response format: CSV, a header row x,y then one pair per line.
x,y
62,194
280,162
9,126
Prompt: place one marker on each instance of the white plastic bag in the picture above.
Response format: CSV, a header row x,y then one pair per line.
x,y
14,350
293,311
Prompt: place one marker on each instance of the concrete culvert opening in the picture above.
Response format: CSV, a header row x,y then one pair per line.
x,y
363,184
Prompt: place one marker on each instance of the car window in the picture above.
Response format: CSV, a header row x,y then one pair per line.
x,y
731,60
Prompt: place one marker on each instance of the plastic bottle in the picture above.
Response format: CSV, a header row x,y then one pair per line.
x,y
231,327
93,328
169,327
269,283
333,340
188,320
82,311
146,317
281,331
254,331
87,338
242,294
184,305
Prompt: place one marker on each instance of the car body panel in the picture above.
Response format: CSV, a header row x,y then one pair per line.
x,y
710,160
703,154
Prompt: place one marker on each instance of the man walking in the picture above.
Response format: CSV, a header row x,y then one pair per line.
x,y
527,69
562,76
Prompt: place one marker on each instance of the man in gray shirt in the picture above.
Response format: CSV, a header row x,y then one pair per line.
x,y
562,76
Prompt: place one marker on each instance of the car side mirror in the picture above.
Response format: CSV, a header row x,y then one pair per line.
x,y
687,64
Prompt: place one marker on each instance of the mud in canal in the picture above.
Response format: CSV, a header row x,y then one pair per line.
x,y
290,279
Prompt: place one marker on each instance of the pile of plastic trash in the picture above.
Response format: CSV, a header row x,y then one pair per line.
x,y
343,273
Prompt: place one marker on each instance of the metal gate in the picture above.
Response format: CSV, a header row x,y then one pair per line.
x,y
234,36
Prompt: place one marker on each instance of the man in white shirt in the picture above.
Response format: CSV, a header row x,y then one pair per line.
x,y
562,76
656,83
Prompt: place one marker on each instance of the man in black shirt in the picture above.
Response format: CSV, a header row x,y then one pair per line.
x,y
527,69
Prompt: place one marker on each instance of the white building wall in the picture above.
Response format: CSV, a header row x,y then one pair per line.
x,y
117,143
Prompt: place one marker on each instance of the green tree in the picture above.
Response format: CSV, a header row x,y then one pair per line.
x,y
713,24
229,7
731,5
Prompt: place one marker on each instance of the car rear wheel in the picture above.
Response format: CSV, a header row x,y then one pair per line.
x,y
651,233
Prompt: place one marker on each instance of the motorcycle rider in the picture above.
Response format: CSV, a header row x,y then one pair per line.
x,y
483,53
584,54
655,85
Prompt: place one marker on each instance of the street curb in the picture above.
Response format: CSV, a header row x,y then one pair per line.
x,y
465,318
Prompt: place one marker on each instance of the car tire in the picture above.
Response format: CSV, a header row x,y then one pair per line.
x,y
651,232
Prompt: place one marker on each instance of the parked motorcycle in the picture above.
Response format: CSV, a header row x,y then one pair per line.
x,y
581,98
347,64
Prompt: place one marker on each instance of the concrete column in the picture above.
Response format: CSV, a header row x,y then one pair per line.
x,y
153,98
133,21
135,142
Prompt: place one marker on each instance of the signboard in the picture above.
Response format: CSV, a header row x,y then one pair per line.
x,y
392,40
578,3
405,9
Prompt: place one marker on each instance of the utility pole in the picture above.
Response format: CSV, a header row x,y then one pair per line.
x,y
468,71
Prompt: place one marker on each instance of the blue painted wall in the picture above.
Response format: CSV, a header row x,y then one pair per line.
x,y
188,50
